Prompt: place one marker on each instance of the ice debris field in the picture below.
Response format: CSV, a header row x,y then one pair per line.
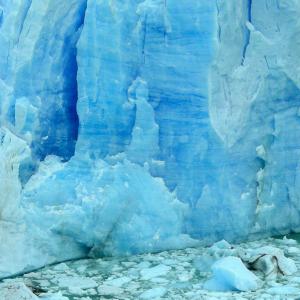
x,y
266,269
130,127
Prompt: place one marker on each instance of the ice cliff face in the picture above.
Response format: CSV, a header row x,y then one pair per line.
x,y
134,126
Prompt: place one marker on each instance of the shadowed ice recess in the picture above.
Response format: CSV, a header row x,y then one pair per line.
x,y
145,125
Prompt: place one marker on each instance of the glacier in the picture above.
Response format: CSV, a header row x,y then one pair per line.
x,y
145,125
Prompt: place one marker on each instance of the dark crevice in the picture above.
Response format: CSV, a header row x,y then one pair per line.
x,y
57,132
249,10
23,18
1,16
247,31
57,142
219,26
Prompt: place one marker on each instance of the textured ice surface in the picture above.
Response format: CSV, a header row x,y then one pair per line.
x,y
230,274
271,260
17,291
135,126
183,281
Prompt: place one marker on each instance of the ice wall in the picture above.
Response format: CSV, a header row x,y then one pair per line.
x,y
38,71
137,126
254,107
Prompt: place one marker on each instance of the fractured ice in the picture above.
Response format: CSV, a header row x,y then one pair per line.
x,y
143,125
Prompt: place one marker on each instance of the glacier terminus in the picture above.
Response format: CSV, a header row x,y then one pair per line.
x,y
136,126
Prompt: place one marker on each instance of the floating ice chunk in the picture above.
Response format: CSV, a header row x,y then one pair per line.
x,y
16,291
118,282
157,271
61,267
143,265
283,290
159,280
221,249
218,250
230,274
272,260
56,296
76,290
221,245
293,250
153,293
107,290
287,241
79,282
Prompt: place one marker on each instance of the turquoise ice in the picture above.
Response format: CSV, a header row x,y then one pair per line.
x,y
143,125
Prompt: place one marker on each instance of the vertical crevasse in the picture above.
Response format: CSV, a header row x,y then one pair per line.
x,y
247,30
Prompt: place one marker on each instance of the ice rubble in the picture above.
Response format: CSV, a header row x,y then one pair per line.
x,y
135,126
17,291
178,278
230,266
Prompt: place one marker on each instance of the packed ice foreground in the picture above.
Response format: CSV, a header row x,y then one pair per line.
x,y
170,275
132,126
